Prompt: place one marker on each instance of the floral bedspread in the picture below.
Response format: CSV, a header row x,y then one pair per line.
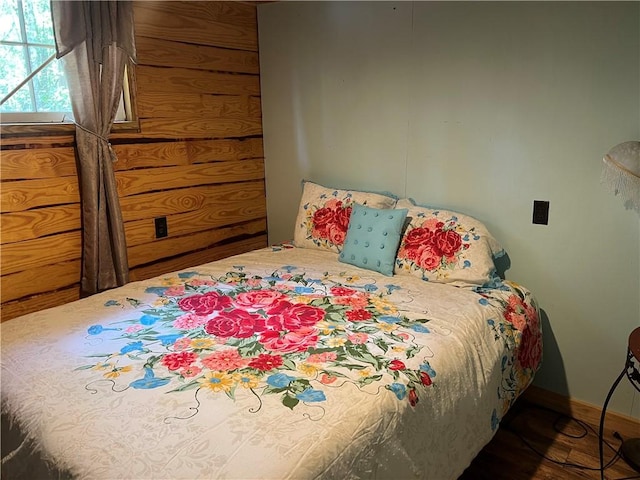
x,y
279,363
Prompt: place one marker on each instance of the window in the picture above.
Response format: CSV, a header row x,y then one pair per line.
x,y
33,87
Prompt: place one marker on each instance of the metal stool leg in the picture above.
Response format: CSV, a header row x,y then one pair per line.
x,y
602,415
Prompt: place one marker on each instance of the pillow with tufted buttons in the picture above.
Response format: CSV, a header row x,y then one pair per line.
x,y
373,237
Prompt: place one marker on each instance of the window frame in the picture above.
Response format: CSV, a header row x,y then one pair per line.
x,y
37,123
132,125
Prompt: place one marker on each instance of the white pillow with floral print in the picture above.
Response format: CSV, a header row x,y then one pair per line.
x,y
446,247
324,213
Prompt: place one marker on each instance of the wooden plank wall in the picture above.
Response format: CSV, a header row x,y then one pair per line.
x,y
197,160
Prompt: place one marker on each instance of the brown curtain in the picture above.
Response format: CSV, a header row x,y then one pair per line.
x,y
95,39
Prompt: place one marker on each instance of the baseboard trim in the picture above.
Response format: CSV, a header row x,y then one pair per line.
x,y
625,425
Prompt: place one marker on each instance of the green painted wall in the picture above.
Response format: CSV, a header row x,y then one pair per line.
x,y
481,107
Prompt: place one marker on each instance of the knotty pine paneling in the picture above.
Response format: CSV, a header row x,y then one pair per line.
x,y
25,194
25,142
27,282
150,155
38,163
132,182
221,24
197,160
166,53
222,199
40,252
164,154
226,212
39,222
171,105
211,150
171,246
197,128
186,80
33,303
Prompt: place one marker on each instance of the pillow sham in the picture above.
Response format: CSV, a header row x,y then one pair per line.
x,y
323,214
446,247
373,237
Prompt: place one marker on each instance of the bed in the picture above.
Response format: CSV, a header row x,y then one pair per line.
x,y
285,362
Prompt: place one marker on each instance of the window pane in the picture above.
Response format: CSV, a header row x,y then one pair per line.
x,y
50,85
11,78
9,26
37,19
45,97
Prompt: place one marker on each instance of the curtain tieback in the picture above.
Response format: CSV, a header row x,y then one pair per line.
x,y
112,154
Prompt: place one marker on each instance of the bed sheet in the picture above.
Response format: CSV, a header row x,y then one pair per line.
x,y
279,363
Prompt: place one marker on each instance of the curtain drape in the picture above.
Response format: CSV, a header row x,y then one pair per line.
x,y
95,39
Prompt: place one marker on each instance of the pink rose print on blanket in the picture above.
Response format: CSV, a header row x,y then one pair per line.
x,y
259,334
257,299
287,342
234,323
175,361
227,359
189,321
204,304
293,316
524,318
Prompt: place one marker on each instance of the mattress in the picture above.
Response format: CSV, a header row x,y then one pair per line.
x,y
274,364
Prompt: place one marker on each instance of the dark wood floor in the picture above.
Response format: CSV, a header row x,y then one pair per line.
x,y
558,438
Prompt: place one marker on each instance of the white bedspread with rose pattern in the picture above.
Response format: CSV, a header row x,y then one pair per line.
x,y
279,363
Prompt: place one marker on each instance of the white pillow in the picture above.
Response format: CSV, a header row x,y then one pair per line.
x,y
324,214
446,247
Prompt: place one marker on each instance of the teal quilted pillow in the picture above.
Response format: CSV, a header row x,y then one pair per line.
x,y
373,237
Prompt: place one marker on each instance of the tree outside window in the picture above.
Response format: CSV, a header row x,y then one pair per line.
x,y
33,86
26,44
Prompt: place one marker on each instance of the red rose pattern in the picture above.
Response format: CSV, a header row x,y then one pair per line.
x,y
343,291
265,362
524,318
418,236
431,245
285,327
205,304
293,316
530,351
427,257
257,299
235,323
176,361
447,242
358,315
282,327
330,222
287,342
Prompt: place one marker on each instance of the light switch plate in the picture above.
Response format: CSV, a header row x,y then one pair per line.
x,y
541,212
